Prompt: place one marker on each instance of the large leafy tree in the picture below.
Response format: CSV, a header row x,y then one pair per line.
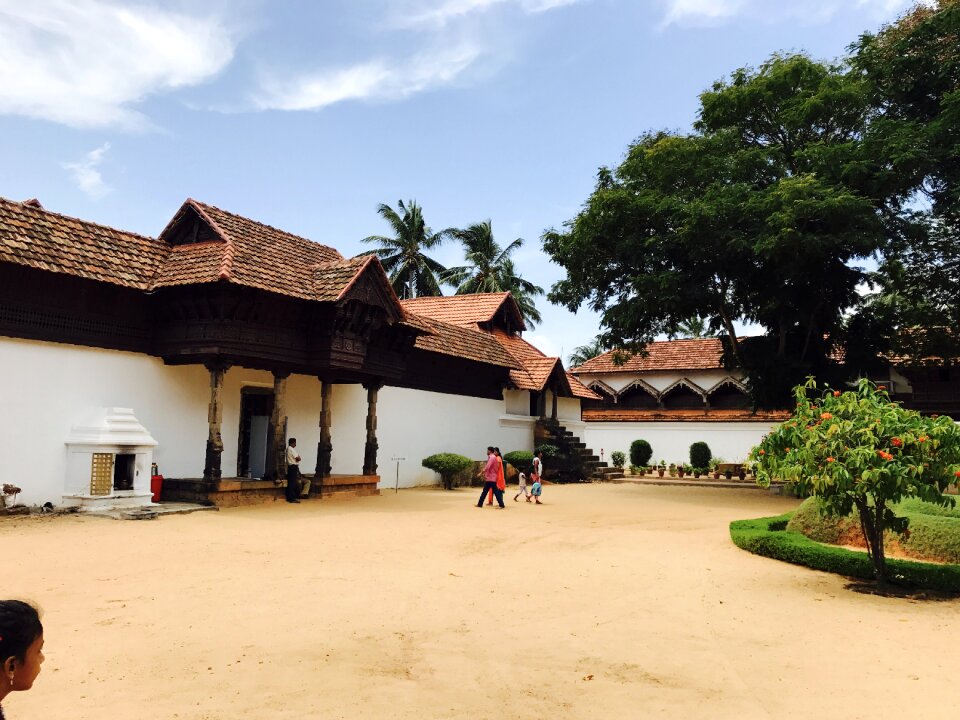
x,y
761,215
412,273
911,72
489,268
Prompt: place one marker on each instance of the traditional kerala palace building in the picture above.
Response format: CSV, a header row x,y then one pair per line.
x,y
204,349
681,392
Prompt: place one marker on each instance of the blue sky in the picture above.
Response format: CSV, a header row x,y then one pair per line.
x,y
308,114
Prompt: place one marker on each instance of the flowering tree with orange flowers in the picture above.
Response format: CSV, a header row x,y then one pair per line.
x,y
858,449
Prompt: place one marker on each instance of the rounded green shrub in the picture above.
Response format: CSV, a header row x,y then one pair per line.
x,y
618,458
548,450
448,465
700,455
640,452
520,459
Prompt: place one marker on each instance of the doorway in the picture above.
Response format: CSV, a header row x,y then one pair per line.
x,y
256,409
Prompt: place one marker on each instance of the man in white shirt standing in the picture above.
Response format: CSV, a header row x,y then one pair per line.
x,y
293,473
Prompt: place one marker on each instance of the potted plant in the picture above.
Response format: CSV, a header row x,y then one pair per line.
x,y
661,468
8,498
714,466
697,472
742,472
673,469
618,458
681,469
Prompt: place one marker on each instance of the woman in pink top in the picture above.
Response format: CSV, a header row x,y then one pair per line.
x,y
492,472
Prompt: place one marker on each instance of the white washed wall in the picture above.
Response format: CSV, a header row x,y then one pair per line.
x,y
46,388
414,424
706,379
671,441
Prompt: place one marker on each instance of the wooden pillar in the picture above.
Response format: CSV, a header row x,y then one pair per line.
x,y
553,404
277,470
370,449
211,465
325,446
542,403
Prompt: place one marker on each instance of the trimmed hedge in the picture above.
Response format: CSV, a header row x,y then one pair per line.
x,y
700,455
640,453
770,538
618,458
934,530
520,459
447,465
547,449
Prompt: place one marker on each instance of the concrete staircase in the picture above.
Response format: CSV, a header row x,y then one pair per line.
x,y
586,465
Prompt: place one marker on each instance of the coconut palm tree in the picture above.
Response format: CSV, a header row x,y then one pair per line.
x,y
411,272
694,327
586,352
489,268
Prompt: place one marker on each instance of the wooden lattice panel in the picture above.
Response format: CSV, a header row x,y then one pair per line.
x,y
101,474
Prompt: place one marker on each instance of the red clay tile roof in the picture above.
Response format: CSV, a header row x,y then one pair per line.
x,y
698,354
37,238
465,310
712,415
332,279
250,254
580,390
537,367
463,342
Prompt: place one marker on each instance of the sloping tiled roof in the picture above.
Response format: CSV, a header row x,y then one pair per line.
x,y
37,238
463,342
464,310
712,415
698,354
537,367
580,390
249,253
332,279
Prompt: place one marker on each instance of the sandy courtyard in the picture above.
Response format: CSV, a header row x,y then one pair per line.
x,y
612,601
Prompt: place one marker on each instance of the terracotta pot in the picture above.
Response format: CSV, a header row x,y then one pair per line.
x,y
660,472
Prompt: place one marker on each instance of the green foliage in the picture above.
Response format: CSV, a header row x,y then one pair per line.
x,y
858,450
767,537
640,452
490,269
700,455
618,458
582,353
548,450
447,465
933,532
520,459
411,272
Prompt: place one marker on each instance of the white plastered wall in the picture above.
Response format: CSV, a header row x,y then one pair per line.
x,y
414,424
46,388
671,441
705,379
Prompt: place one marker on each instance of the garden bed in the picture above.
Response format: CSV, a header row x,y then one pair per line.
x,y
769,537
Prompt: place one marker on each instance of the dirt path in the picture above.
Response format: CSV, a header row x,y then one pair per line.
x,y
611,601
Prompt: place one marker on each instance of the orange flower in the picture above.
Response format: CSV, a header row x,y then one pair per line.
x,y
836,393
763,452
826,416
829,459
896,442
957,474
922,438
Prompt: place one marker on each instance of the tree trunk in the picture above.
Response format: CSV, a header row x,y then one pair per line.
x,y
871,524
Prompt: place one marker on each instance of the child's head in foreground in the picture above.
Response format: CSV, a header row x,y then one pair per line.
x,y
21,645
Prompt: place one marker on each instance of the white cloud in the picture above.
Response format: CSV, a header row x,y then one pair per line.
x,y
546,345
86,174
85,63
378,79
439,13
716,12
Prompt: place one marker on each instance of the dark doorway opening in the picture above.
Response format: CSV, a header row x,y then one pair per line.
x,y
256,409
124,466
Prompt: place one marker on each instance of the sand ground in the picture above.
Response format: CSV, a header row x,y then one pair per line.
x,y
610,601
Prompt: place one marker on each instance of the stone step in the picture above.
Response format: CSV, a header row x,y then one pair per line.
x,y
609,476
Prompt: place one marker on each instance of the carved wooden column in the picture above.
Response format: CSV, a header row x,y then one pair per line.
x,y
553,405
325,446
277,470
370,449
542,404
211,465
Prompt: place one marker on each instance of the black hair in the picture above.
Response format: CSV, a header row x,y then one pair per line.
x,y
20,626
292,441
490,448
496,450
